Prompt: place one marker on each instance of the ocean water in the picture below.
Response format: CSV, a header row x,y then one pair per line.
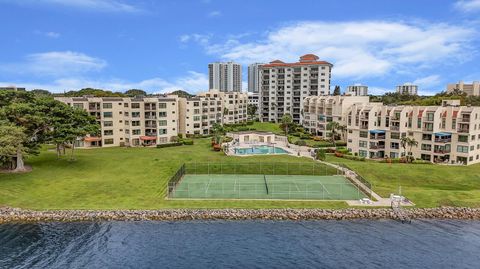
x,y
242,244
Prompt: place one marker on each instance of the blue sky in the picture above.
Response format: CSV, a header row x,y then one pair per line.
x,y
160,46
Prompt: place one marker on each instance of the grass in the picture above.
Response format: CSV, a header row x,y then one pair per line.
x,y
310,142
267,127
124,178
426,185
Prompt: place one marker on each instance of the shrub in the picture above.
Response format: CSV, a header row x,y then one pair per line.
x,y
317,138
180,136
169,145
305,136
343,151
188,142
243,129
321,155
354,158
338,154
249,122
301,143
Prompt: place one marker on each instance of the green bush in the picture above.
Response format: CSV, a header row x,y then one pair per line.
x,y
249,122
343,150
321,155
305,136
170,145
188,142
301,143
354,158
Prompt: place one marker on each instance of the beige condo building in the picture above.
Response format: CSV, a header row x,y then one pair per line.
x,y
445,134
470,89
135,121
320,110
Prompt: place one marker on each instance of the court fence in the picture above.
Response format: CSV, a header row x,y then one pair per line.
x,y
246,190
262,168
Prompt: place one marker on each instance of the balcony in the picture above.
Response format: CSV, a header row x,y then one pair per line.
x,y
363,126
463,130
443,140
395,128
378,137
377,147
441,151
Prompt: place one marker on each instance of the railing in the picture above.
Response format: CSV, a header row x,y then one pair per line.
x,y
394,128
365,182
463,130
445,140
377,146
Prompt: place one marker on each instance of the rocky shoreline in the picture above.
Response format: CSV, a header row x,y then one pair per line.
x,y
11,215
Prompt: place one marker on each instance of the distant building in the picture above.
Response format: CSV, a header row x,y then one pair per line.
x,y
285,85
253,99
225,77
357,90
407,88
12,88
470,89
254,77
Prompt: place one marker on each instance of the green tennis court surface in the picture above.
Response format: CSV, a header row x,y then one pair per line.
x,y
295,187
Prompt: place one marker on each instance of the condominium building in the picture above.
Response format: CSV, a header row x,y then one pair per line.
x,y
407,88
470,89
445,134
234,105
320,110
357,90
285,85
225,77
253,98
254,77
198,114
139,121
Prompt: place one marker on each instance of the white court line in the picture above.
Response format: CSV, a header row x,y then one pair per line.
x,y
208,185
298,189
323,186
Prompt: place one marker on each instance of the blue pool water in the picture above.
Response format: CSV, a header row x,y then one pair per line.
x,y
241,244
260,150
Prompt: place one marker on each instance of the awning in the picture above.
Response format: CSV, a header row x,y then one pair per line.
x,y
148,138
377,131
443,134
92,139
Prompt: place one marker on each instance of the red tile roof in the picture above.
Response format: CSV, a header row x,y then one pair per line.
x,y
148,138
307,59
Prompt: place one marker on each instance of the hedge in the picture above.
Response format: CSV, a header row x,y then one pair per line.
x,y
188,142
170,145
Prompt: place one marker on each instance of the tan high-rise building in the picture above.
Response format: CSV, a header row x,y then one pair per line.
x,y
285,85
470,89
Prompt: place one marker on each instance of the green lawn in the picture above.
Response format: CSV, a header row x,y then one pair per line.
x,y
267,127
426,185
123,178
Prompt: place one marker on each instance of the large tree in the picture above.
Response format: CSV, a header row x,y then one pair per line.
x,y
336,91
252,111
333,127
12,139
136,92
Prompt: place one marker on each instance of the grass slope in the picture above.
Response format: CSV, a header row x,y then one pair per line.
x,y
123,178
425,184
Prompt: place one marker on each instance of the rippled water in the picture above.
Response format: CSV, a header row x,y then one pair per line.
x,y
245,244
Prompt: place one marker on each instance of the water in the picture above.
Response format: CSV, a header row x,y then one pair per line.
x,y
260,150
244,244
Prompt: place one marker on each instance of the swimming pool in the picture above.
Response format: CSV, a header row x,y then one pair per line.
x,y
259,150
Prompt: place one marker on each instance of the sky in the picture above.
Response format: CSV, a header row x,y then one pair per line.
x,y
161,46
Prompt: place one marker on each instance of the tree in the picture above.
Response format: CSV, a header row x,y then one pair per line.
x,y
343,131
336,91
12,139
333,126
252,111
286,123
41,93
321,155
411,142
135,92
403,144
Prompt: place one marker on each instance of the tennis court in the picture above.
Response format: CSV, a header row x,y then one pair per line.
x,y
264,186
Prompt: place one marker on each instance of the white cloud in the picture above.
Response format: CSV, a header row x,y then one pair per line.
x,y
55,64
48,34
193,82
358,49
93,5
378,90
214,13
468,5
428,82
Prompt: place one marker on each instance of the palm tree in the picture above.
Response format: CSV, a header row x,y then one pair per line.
x,y
333,126
411,142
286,122
343,130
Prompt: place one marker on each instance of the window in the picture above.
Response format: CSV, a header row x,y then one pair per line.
x,y
108,123
364,134
162,123
135,123
362,153
135,114
430,116
107,114
108,132
196,118
462,149
162,131
196,111
454,123
427,137
135,105
125,105
362,144
78,105
426,147
136,132
419,123
463,138
395,135
162,114
107,105
162,105
108,141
